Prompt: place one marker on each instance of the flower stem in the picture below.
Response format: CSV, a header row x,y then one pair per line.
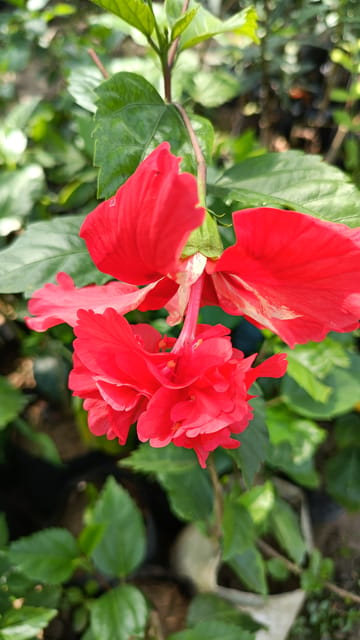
x,y
199,156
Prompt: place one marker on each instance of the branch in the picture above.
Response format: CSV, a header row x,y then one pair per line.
x,y
272,553
95,58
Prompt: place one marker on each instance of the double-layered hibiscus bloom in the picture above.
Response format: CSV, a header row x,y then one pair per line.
x,y
289,272
195,397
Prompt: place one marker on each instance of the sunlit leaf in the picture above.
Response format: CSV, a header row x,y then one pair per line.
x,y
291,180
24,623
134,12
345,392
205,25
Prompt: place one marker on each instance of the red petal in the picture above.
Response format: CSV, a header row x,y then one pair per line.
x,y
54,304
274,367
139,234
107,345
292,273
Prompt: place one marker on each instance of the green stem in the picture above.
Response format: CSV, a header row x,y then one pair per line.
x,y
218,498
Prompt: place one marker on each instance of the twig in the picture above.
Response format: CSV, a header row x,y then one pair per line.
x,y
337,141
95,58
271,552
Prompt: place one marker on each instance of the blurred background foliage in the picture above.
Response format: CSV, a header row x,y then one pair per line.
x,y
297,91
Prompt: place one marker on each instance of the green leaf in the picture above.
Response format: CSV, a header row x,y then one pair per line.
x,y
345,393
318,572
120,613
238,528
12,402
183,22
48,596
213,630
347,429
205,25
131,120
208,606
259,501
89,537
178,471
49,555
306,379
44,249
165,461
291,180
254,443
277,569
213,88
122,545
342,474
286,529
250,569
24,623
294,442
82,82
134,12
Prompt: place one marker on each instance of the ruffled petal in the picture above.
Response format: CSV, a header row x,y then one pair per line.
x,y
107,346
138,235
292,273
57,303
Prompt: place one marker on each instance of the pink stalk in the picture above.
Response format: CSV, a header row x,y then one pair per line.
x,y
187,334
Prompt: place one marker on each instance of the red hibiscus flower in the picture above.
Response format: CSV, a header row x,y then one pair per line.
x,y
195,395
288,272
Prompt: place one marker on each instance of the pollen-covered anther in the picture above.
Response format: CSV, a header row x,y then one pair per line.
x,y
162,344
171,364
175,426
198,343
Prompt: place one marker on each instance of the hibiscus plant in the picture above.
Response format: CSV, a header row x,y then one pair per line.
x,y
272,242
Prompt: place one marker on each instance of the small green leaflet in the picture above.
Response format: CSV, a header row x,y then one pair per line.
x,y
134,12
